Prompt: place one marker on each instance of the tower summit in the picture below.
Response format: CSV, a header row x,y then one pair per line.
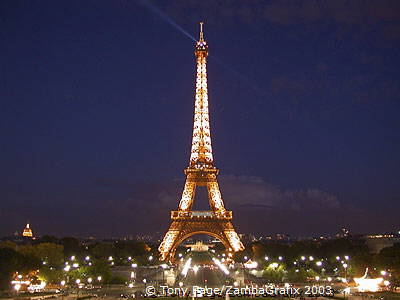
x,y
201,172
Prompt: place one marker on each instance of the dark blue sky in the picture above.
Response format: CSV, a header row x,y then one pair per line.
x,y
97,103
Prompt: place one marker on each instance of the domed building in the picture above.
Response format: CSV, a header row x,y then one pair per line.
x,y
27,231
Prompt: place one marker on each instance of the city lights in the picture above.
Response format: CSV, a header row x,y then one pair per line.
x,y
365,284
274,265
97,107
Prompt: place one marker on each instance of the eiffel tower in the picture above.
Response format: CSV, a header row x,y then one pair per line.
x,y
201,172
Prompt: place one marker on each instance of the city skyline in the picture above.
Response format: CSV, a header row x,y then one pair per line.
x,y
98,112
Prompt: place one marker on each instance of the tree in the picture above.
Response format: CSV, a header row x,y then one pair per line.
x,y
8,244
275,273
50,274
12,261
47,239
103,250
100,268
389,257
50,253
71,245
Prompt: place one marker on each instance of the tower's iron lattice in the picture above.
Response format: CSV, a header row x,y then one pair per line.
x,y
201,172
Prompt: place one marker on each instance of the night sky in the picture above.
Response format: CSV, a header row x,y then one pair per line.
x,y
97,107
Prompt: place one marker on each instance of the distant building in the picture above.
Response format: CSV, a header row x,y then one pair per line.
x,y
27,232
343,233
199,247
377,242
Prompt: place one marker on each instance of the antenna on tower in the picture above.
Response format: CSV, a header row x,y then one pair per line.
x,y
201,32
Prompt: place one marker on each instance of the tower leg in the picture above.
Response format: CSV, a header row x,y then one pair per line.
x,y
188,193
214,195
168,242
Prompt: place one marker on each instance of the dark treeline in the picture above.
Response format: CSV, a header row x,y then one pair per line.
x,y
49,255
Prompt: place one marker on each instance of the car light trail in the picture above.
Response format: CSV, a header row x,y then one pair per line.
x,y
221,266
186,267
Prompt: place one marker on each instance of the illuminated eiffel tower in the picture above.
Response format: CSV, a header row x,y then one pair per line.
x,y
201,172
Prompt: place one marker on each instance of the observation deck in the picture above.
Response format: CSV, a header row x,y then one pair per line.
x,y
201,215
